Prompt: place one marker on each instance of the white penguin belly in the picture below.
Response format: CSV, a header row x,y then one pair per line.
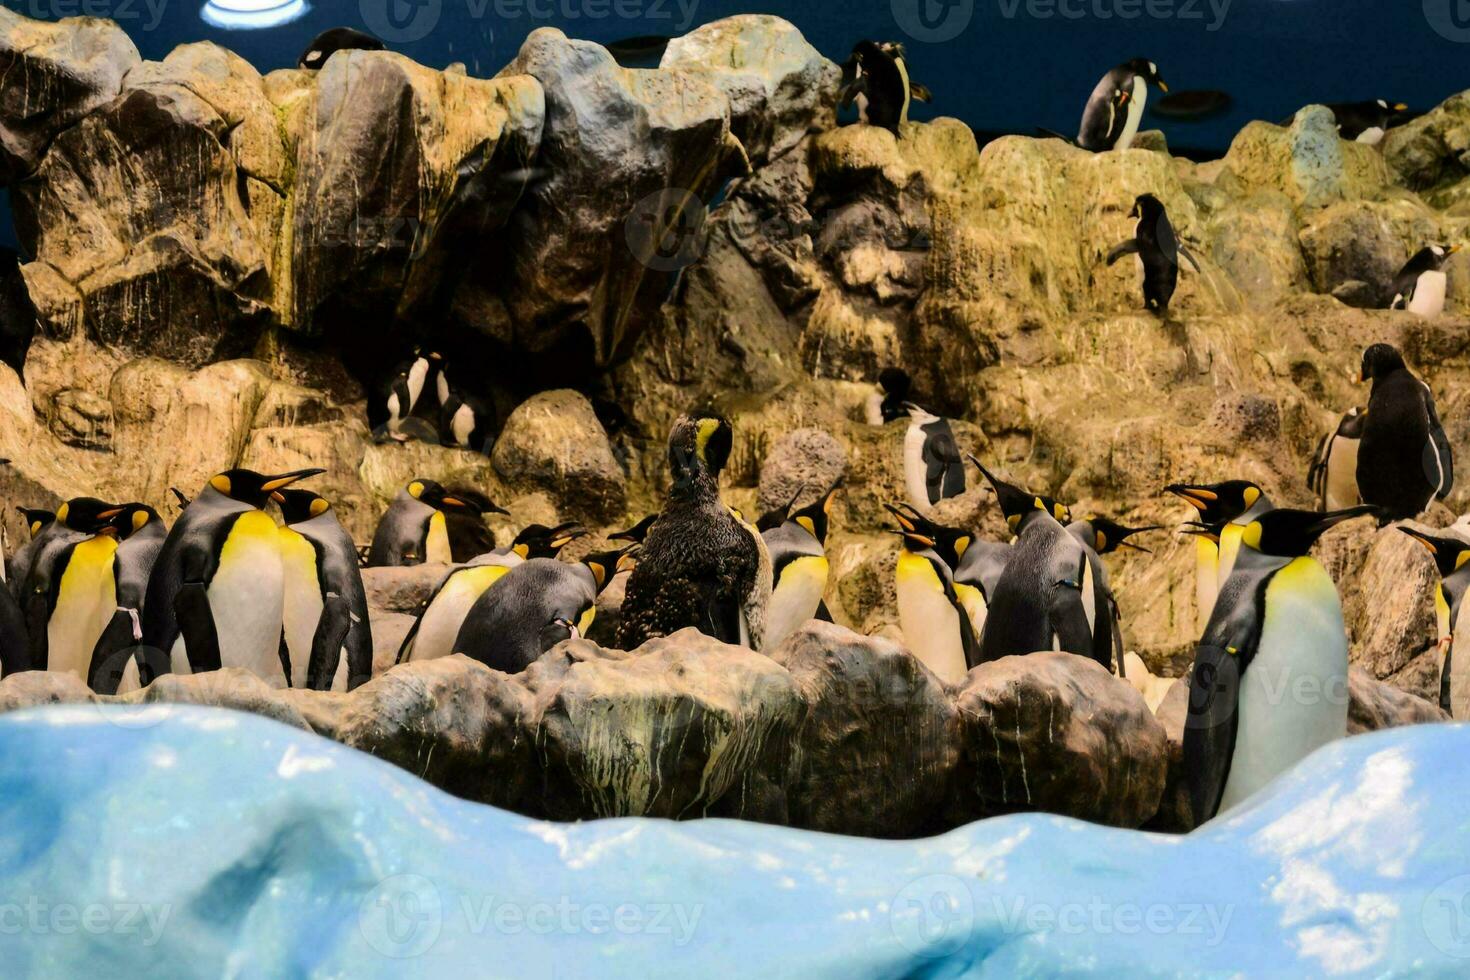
x,y
795,599
246,598
931,626
436,542
1371,136
914,470
1460,669
1342,474
903,76
1206,585
1293,698
463,425
301,607
446,614
1429,294
1135,114
86,602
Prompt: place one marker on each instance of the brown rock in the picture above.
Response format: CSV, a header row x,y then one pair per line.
x,y
554,442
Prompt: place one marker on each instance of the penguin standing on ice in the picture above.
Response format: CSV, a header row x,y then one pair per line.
x,y
335,39
117,658
887,402
932,467
1422,284
1334,473
1114,110
1277,626
876,78
701,565
414,529
216,592
1224,510
325,624
1158,248
1452,561
1404,457
936,628
798,569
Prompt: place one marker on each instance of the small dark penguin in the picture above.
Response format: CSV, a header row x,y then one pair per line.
x,y
1452,561
932,467
1155,243
325,623
1334,473
887,403
328,42
876,79
1422,284
700,565
1115,108
17,313
1404,457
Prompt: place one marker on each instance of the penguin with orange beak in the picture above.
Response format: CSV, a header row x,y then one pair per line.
x,y
414,530
1114,110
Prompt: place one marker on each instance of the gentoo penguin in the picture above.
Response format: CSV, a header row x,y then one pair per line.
x,y
932,467
1101,536
325,44
18,315
415,398
1452,560
71,593
1366,122
1277,627
876,78
1334,473
116,661
936,627
798,569
1049,596
465,420
1228,507
1404,456
1115,108
413,530
215,596
1158,248
538,604
433,632
700,565
19,562
887,401
1421,285
325,617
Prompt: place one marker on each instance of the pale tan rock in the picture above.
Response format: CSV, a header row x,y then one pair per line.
x,y
554,442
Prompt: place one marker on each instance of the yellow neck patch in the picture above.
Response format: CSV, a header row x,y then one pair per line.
x,y
707,428
808,523
1251,536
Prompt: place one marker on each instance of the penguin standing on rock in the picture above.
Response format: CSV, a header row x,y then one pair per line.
x,y
1114,110
876,78
1404,456
1277,626
700,565
798,569
325,624
1452,560
1422,284
932,467
936,627
117,659
1158,248
335,39
887,402
414,529
1334,473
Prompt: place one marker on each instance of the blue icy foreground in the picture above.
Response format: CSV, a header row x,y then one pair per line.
x,y
179,841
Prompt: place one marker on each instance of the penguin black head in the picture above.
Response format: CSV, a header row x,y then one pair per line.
x,y
895,382
914,541
777,516
1146,207
814,516
1218,503
699,446
336,39
250,487
1381,360
300,505
1148,71
540,541
437,497
1018,504
1449,553
1108,536
36,519
1291,533
86,514
605,564
1201,530
129,519
637,533
949,543
1437,255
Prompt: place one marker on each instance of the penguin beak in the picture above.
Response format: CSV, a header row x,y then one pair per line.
x,y
108,515
1163,86
626,563
497,509
1199,497
284,480
913,537
1335,518
1401,107
1428,544
1455,248
278,497
904,521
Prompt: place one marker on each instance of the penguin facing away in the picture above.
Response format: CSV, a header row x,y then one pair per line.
x,y
1158,248
1452,561
876,79
1422,284
1114,110
936,628
799,569
1334,473
18,563
1404,457
932,467
335,39
117,658
1101,536
1277,626
325,624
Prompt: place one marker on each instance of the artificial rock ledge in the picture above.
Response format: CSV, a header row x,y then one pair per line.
x,y
836,732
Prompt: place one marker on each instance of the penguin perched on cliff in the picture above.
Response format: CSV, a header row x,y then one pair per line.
x,y
1452,561
1158,248
18,316
1364,122
799,568
936,627
414,530
700,565
325,625
1224,508
335,39
410,407
70,592
1422,284
536,605
875,77
215,595
932,467
1404,457
1277,626
117,661
887,402
1114,110
1334,473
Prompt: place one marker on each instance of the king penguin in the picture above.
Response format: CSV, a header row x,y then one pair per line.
x,y
1114,110
932,467
414,530
1421,285
798,569
117,659
325,624
876,78
215,596
1158,248
936,627
69,593
952,545
1228,506
1404,457
700,565
1452,560
1334,473
19,562
538,604
1277,627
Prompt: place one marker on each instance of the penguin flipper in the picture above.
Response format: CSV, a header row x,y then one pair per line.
x,y
196,623
1118,652
920,92
1317,472
112,653
1210,727
1052,134
1190,256
1130,247
1068,620
326,643
823,614
1444,681
1439,446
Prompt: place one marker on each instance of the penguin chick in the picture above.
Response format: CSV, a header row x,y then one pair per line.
x,y
876,79
887,401
1404,457
799,568
1452,561
328,42
1113,112
932,467
1155,243
326,628
700,566
1422,284
1277,626
1334,473
414,529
